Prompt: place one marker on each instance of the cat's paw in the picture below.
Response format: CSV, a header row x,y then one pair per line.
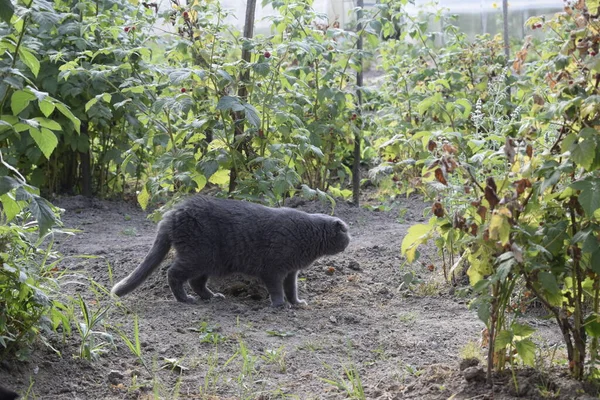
x,y
300,303
218,295
190,300
277,304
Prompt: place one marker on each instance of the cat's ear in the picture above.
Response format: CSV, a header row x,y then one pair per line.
x,y
340,226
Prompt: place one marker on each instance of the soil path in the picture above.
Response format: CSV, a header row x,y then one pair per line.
x,y
359,327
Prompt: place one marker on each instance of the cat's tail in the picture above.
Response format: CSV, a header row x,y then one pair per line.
x,y
157,253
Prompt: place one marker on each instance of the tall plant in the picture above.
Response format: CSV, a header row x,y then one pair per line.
x,y
515,187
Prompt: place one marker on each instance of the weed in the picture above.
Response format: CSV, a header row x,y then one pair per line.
x,y
93,342
471,350
276,357
129,232
350,381
408,318
209,334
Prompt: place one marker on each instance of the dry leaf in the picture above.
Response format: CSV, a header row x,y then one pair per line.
x,y
491,197
521,185
431,145
437,209
529,150
448,148
439,175
474,229
482,211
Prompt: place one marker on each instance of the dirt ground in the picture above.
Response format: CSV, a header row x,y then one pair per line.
x,y
361,331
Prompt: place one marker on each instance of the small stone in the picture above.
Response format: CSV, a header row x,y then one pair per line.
x,y
468,362
333,319
474,374
115,377
354,265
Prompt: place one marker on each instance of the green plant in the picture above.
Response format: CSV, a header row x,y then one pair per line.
x,y
349,382
209,334
93,342
276,357
30,307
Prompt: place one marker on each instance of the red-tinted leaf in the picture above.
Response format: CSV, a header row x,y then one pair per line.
x,y
491,197
437,209
439,175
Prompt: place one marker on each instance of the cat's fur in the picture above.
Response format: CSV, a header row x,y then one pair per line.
x,y
215,237
6,394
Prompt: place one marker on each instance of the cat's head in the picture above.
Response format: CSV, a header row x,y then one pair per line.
x,y
337,236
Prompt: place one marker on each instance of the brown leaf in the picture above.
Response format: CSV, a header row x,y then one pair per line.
x,y
448,148
491,183
431,267
482,211
474,229
521,185
452,164
437,209
467,189
458,222
439,175
431,145
486,235
491,197
529,150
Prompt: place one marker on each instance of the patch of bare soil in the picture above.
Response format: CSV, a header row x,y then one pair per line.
x,y
362,331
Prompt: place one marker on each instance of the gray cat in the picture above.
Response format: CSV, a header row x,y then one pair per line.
x,y
215,237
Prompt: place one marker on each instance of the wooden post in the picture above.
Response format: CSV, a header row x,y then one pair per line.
x,y
357,134
242,91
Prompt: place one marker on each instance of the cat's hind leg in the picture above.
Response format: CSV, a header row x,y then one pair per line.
x,y
274,284
198,284
290,287
177,275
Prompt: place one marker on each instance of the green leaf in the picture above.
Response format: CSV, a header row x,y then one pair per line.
x,y
90,103
7,184
6,10
143,198
230,103
67,113
522,331
10,207
252,115
526,350
500,226
416,235
30,60
46,107
503,339
45,139
20,100
589,198
48,123
583,153
43,214
466,105
200,180
221,177
592,325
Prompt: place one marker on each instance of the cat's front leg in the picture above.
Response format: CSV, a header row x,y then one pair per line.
x,y
290,286
274,284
